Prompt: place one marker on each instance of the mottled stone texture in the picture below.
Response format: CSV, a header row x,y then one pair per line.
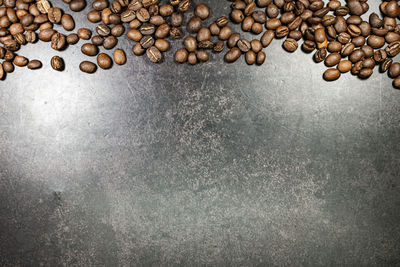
x,y
219,165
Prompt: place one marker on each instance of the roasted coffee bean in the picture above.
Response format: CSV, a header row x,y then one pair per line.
x,y
2,72
67,22
34,64
89,49
385,65
203,56
138,50
203,34
237,16
192,58
8,66
394,70
20,61
214,29
87,67
110,42
118,30
219,46
54,14
104,61
176,20
244,45
232,55
320,55
344,66
97,40
154,54
84,33
380,55
119,57
205,45
396,83
194,25
250,57
72,39
181,55
190,43
94,16
175,33
290,45
147,41
77,5
267,38
134,35
103,30
58,41
393,49
331,75
202,11
357,55
256,46
57,63
260,58
376,41
147,29
365,73
225,33
308,46
128,16
46,35
332,59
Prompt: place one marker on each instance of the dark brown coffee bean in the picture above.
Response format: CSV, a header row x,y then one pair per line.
x,y
237,16
375,41
87,67
393,49
332,59
219,46
147,41
250,57
94,16
267,38
110,42
232,55
58,41
380,55
89,49
175,33
320,55
331,75
204,34
20,61
67,22
138,50
2,72
396,83
84,33
77,5
344,66
365,73
118,30
192,58
181,55
97,40
147,29
194,25
104,61
190,43
154,54
385,65
176,20
225,33
244,45
8,66
202,11
203,56
134,35
394,70
57,63
103,30
290,45
34,64
54,14
46,35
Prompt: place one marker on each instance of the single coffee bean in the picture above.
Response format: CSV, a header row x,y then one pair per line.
x,y
162,45
396,83
365,73
393,49
190,43
154,54
344,66
77,5
87,67
118,30
260,58
202,11
375,41
225,33
138,50
110,42
380,55
267,38
103,30
20,61
232,41
244,45
175,33
251,57
89,49
205,45
57,63
214,29
94,16
119,57
203,56
34,64
147,41
54,14
192,58
147,29
320,55
58,41
194,25
45,35
134,35
84,33
203,34
394,70
176,20
8,66
331,75
385,65
290,45
72,39
332,59
67,22
181,55
104,61
219,46
232,55
97,40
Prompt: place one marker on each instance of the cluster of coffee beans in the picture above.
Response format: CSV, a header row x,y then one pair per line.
x,y
335,33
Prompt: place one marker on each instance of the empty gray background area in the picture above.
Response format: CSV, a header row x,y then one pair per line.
x,y
217,164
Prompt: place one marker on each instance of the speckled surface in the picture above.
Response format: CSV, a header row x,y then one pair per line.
x,y
219,165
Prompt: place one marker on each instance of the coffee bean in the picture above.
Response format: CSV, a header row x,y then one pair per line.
x,y
376,41
54,15
110,42
232,55
244,45
331,75
219,46
290,45
67,22
89,49
134,35
332,59
344,66
147,42
77,5
2,72
190,43
365,73
396,83
181,55
147,29
192,58
203,34
232,41
202,11
45,35
84,33
57,63
94,16
260,58
103,30
176,20
119,57
175,33
394,70
97,40
267,38
8,66
87,67
118,30
203,56
58,41
194,25
251,57
154,54
138,50
385,65
320,55
104,61
162,45
225,33
20,61
34,64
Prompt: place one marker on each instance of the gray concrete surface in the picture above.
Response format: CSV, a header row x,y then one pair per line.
x,y
213,165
